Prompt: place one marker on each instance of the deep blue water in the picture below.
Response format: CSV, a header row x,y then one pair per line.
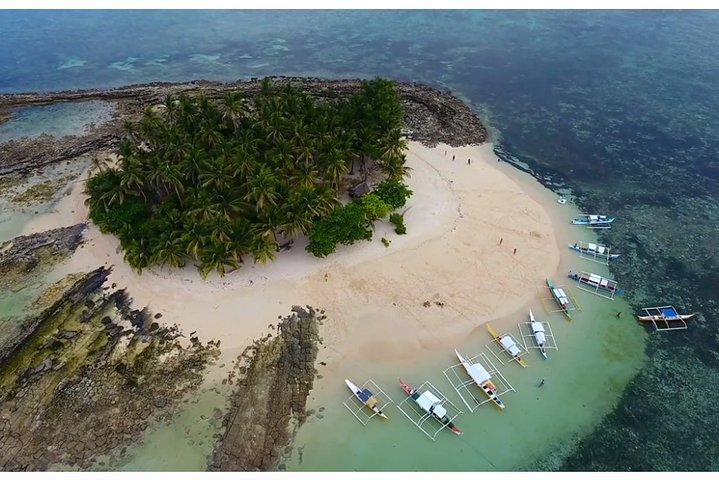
x,y
622,104
583,91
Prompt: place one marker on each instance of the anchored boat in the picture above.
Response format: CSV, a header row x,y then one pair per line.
x,y
665,318
538,331
482,378
560,297
667,314
594,221
508,345
597,283
429,402
594,250
366,397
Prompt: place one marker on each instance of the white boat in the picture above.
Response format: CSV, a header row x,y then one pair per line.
x,y
366,397
482,378
538,332
594,221
429,402
594,250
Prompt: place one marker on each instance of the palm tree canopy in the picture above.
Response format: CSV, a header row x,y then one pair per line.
x,y
212,180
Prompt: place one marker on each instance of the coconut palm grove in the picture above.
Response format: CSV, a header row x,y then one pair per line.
x,y
213,181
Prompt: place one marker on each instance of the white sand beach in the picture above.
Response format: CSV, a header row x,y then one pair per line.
x,y
373,295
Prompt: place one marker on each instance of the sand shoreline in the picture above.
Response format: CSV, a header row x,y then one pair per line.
x,y
372,295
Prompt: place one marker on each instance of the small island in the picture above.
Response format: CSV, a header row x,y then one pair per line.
x,y
213,181
212,174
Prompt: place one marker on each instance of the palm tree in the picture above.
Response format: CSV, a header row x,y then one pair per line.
x,y
264,250
172,252
217,256
305,175
233,109
261,188
335,167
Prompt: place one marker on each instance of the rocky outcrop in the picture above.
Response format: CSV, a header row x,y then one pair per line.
x,y
275,377
86,377
32,255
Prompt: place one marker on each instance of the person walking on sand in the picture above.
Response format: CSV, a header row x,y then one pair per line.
x,y
469,160
501,240
453,158
514,252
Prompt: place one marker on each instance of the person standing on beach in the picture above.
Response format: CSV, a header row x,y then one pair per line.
x,y
453,158
514,252
469,160
501,240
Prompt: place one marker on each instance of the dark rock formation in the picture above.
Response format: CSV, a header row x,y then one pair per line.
x,y
271,392
71,390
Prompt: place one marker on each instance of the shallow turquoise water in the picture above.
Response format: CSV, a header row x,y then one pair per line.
x,y
57,119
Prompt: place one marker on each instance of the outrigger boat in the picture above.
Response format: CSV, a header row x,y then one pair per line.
x,y
592,249
482,378
594,221
666,314
538,331
596,281
366,397
508,345
560,297
429,402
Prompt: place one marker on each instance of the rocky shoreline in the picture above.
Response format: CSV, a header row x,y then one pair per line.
x,y
431,116
89,376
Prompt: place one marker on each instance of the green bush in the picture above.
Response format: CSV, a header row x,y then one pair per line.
x,y
346,225
374,207
394,193
121,218
397,219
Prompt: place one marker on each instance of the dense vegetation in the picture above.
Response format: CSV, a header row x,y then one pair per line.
x,y
213,181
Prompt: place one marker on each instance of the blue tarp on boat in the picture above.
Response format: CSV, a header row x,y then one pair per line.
x,y
364,395
669,312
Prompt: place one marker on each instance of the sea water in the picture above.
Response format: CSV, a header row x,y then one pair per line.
x,y
56,119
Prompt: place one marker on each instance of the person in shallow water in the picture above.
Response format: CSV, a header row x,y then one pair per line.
x,y
541,384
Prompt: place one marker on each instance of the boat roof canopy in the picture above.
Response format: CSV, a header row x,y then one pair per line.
x,y
427,399
537,327
478,373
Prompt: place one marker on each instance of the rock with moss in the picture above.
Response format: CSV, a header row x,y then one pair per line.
x,y
275,376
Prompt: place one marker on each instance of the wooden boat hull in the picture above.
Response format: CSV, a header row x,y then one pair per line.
x,y
369,402
662,318
586,281
487,386
563,309
443,420
498,338
586,220
586,251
